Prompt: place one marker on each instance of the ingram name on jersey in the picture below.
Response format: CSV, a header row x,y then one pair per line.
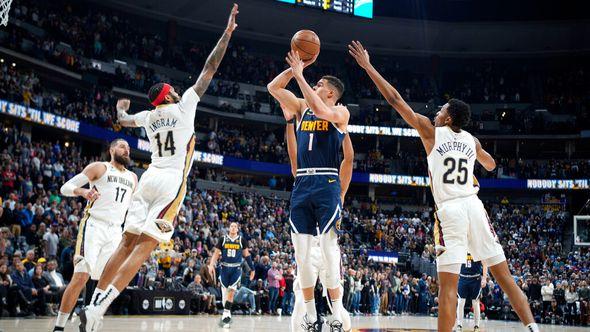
x,y
115,188
170,129
231,250
318,142
450,165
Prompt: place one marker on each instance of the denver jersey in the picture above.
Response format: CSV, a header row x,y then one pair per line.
x,y
450,165
170,129
318,143
231,250
471,268
116,189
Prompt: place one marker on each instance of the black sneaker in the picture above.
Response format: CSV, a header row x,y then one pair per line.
x,y
225,322
58,329
336,326
312,327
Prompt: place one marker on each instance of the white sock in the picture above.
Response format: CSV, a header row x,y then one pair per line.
x,y
337,310
62,319
105,299
460,311
476,311
97,292
533,327
312,315
226,313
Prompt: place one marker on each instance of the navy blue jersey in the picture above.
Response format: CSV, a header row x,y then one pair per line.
x,y
318,143
471,268
231,250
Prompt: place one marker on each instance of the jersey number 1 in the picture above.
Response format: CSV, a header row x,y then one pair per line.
x,y
168,144
310,146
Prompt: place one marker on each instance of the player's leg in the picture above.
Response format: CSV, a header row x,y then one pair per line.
x,y
517,298
123,251
486,247
69,299
328,215
144,246
85,257
230,278
460,313
302,244
450,238
476,313
298,311
303,227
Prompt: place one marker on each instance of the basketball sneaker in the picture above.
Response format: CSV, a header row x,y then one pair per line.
x,y
476,328
312,326
225,322
459,328
90,320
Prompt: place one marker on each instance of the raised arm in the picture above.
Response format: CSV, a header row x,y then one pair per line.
x,y
393,97
216,55
483,157
346,166
337,115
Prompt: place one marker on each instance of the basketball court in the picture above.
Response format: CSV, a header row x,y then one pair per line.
x,y
261,323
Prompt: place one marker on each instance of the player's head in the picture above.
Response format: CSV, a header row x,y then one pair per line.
x,y
162,93
330,89
455,113
233,229
119,150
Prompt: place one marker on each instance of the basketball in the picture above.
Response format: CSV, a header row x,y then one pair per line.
x,y
307,43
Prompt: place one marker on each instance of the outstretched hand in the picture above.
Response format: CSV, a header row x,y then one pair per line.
x,y
360,54
295,62
231,22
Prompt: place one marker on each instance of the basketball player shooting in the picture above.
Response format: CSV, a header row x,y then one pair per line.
x,y
462,223
315,200
161,190
317,265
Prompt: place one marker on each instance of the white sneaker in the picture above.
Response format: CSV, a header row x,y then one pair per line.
x,y
90,320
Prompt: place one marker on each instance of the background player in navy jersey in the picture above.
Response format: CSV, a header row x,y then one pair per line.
x,y
232,248
472,279
315,200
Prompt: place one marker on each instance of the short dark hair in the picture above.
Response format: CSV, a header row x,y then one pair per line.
x,y
460,113
115,141
336,83
155,91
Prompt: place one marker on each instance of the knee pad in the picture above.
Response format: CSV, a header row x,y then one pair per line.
x,y
81,266
331,256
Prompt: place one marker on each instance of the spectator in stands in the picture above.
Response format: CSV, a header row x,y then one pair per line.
x,y
273,279
201,301
246,296
34,297
547,294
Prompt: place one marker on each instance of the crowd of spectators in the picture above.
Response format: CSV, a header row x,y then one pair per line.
x,y
39,227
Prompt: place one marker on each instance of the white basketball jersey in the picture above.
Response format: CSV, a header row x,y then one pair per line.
x,y
170,129
115,188
450,165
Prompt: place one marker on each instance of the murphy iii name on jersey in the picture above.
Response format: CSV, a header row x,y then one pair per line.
x,y
166,122
456,146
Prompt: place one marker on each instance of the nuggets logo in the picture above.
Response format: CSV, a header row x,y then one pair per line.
x,y
315,125
163,226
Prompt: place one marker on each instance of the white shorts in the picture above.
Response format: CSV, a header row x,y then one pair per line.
x,y
97,241
156,202
462,225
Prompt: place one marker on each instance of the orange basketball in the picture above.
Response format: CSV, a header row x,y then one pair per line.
x,y
307,43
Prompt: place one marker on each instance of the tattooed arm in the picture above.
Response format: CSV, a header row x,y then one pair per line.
x,y
216,55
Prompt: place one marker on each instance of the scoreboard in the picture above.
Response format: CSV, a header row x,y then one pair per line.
x,y
362,8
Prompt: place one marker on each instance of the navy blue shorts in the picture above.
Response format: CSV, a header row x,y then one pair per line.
x,y
469,288
315,204
230,276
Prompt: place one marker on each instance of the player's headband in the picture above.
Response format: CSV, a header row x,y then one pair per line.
x,y
160,98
